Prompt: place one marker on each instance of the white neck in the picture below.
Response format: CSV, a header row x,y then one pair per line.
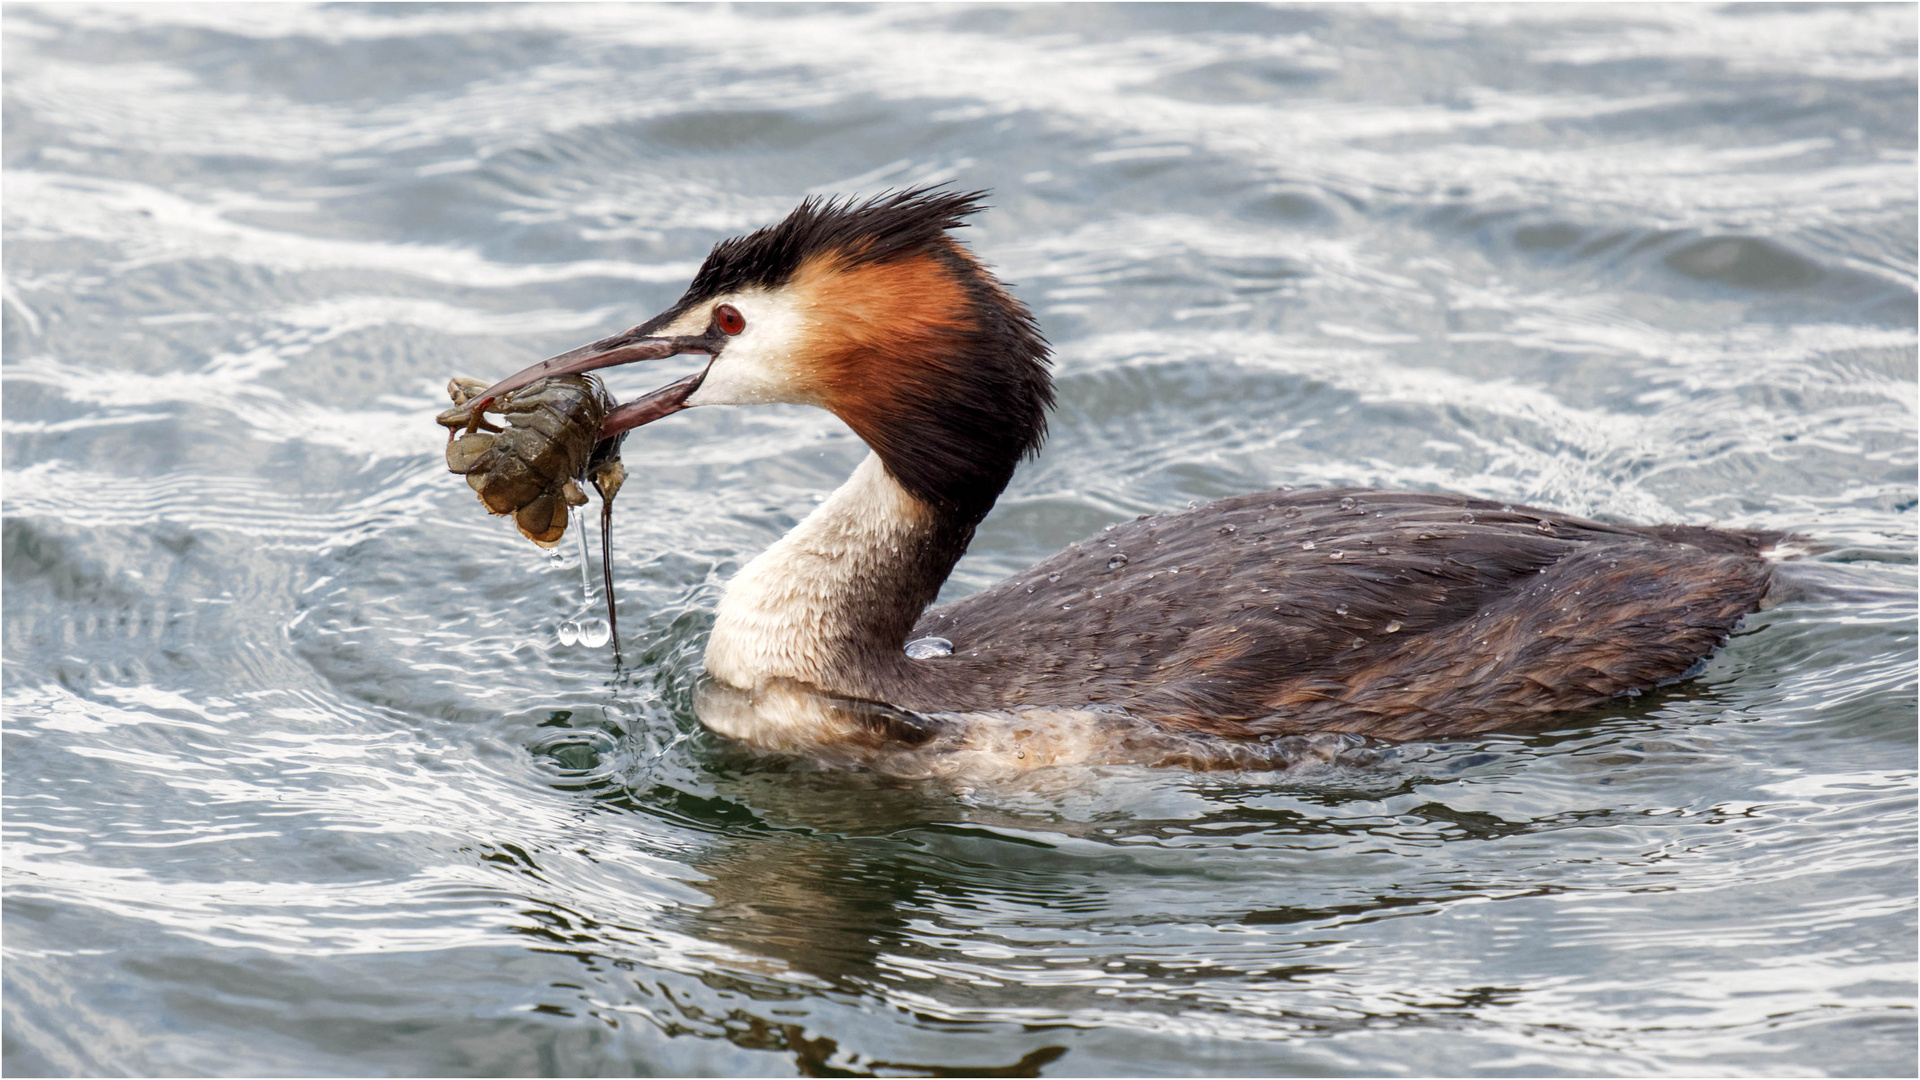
x,y
806,607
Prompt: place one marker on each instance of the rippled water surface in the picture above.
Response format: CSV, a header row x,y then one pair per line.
x,y
298,778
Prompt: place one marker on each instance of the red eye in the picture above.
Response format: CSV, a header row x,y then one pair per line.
x,y
729,318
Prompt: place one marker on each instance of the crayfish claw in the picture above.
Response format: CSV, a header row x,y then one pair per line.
x,y
464,390
463,417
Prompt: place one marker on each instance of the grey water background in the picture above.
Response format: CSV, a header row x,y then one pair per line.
x,y
298,780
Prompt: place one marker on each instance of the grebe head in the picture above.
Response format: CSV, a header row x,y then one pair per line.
x,y
871,311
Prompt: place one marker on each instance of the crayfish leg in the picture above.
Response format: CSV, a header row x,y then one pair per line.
x,y
607,480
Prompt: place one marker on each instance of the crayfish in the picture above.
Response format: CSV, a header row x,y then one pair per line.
x,y
531,469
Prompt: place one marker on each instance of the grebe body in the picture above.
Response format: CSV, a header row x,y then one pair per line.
x,y
1248,631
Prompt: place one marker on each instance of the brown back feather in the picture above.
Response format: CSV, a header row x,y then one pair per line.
x,y
1440,614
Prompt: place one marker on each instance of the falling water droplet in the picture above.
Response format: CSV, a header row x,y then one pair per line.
x,y
554,558
1119,560
1394,627
595,633
569,633
928,648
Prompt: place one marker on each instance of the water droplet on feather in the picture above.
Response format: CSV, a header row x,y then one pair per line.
x,y
929,648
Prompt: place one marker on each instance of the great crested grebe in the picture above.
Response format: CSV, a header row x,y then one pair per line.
x,y
1214,637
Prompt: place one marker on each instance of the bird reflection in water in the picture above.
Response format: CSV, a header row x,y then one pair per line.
x,y
867,889
782,905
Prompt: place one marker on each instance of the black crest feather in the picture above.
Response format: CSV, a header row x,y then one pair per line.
x,y
881,228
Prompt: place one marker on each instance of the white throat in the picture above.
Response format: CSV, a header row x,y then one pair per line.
x,y
786,614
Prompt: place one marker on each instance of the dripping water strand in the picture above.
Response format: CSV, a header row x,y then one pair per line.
x,y
584,626
580,533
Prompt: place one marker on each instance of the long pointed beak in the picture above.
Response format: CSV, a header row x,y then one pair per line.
x,y
627,348
647,408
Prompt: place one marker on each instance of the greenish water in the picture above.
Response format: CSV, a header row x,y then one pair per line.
x,y
298,779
